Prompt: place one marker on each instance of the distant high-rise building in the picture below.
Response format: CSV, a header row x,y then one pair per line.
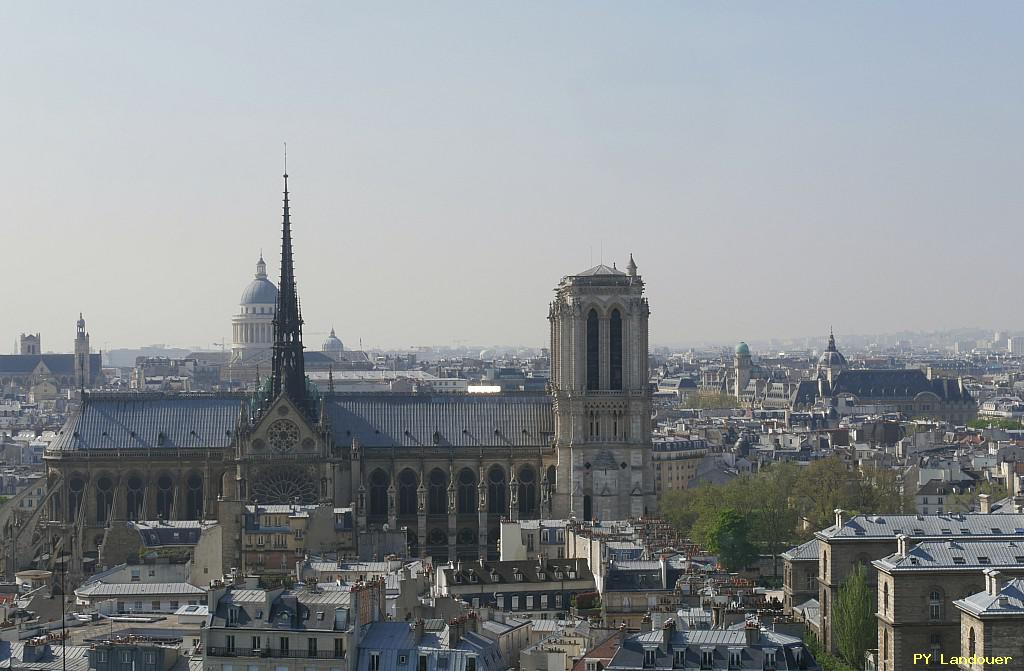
x,y
1015,344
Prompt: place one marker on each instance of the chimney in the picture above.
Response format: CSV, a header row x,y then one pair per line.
x,y
622,634
984,504
840,517
645,623
1018,504
668,630
901,545
456,630
717,616
417,630
751,633
995,582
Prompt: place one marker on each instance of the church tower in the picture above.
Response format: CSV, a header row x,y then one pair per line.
x,y
601,395
741,369
83,372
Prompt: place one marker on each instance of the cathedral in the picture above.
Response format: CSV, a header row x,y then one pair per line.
x,y
447,468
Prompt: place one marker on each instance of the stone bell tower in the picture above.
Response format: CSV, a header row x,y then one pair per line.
x,y
83,367
601,394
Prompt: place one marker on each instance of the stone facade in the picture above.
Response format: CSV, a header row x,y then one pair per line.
x,y
916,614
865,538
601,395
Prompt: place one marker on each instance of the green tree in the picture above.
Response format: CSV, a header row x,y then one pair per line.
x,y
968,501
994,423
728,538
711,401
853,617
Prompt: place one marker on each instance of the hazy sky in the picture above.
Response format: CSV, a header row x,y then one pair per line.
x,y
774,167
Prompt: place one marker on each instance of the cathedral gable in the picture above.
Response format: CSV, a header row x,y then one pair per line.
x,y
282,431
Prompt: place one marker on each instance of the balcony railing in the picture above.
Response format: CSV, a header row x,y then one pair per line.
x,y
222,651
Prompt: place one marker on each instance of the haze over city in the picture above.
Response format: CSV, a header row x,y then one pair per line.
x,y
774,169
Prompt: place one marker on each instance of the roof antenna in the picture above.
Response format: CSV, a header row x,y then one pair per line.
x,y
285,159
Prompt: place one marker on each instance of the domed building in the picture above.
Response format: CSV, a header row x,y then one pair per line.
x,y
252,327
333,345
832,361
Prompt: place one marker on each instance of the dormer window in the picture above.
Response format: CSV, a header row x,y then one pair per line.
x,y
473,577
458,578
735,659
649,658
707,658
517,575
769,660
679,659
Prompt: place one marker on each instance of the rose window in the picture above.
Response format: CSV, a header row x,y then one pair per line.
x,y
283,435
284,484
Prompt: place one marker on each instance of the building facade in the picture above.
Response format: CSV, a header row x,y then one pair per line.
x,y
444,468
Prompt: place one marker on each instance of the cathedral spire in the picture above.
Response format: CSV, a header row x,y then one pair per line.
x,y
289,375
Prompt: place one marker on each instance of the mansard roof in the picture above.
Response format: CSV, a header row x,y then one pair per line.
x,y
126,421
955,526
806,552
1008,601
956,554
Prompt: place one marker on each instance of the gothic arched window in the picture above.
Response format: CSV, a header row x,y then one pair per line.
x,y
76,490
379,482
615,356
136,493
593,359
437,494
527,492
467,492
194,497
407,492
496,488
164,496
104,498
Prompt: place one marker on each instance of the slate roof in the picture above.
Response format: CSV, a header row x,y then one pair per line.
x,y
805,552
898,383
100,589
207,421
394,640
414,420
176,532
926,526
1008,601
600,269
957,554
59,364
506,570
722,641
144,420
74,657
